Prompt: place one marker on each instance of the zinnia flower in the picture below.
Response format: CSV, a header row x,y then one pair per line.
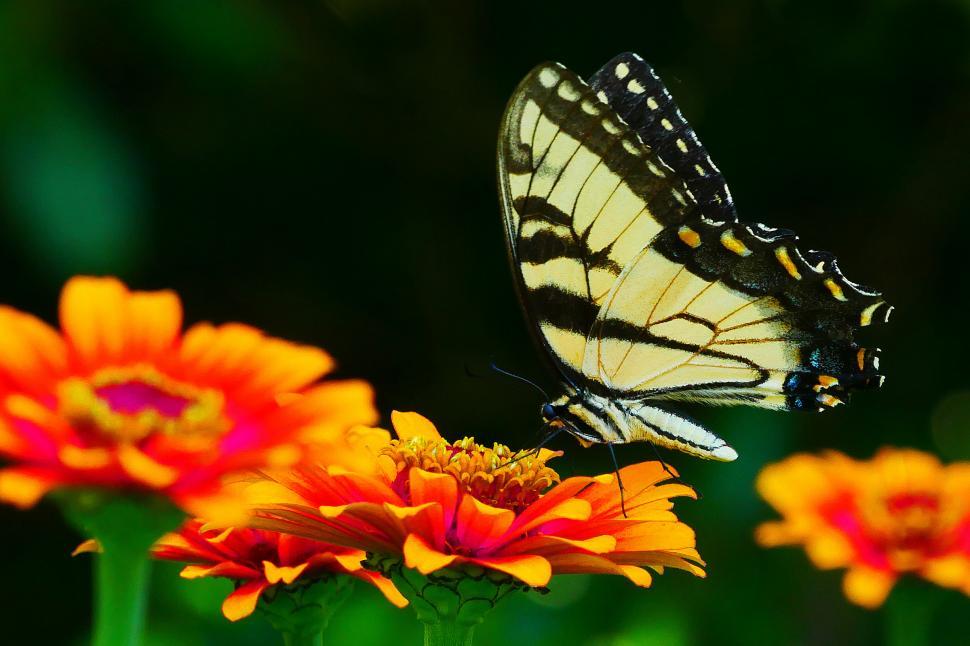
x,y
900,512
260,561
121,399
439,504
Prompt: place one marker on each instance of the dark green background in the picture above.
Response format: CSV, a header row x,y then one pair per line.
x,y
325,170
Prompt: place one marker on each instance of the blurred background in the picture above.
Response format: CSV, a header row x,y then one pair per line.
x,y
325,170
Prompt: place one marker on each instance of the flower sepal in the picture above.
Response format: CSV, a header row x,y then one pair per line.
x,y
301,611
450,602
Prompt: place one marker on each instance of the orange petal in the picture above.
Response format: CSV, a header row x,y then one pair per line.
x,y
576,563
386,586
422,557
87,547
544,545
93,315
867,587
531,570
479,524
408,425
226,569
252,365
221,507
154,323
24,486
84,458
242,602
32,354
145,469
287,574
440,488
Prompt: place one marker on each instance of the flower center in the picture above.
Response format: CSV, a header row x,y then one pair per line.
x,y
129,404
493,475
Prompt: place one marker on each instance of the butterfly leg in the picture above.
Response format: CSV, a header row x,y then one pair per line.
x,y
619,480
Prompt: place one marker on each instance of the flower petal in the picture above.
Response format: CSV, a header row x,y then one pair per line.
x,y
287,574
32,354
867,587
226,569
422,557
440,488
532,570
241,603
25,486
408,425
94,319
385,585
479,524
88,547
145,469
154,324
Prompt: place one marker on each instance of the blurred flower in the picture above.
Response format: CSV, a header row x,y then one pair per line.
x,y
260,561
900,512
443,505
121,399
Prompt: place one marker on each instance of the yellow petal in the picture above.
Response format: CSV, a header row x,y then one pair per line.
x,y
867,587
408,425
143,468
89,546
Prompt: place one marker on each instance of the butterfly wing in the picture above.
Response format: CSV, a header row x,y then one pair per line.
x,y
634,271
638,96
581,196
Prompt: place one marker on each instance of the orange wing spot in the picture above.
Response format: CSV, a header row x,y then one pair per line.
x,y
689,237
825,381
734,245
785,260
829,400
835,289
860,358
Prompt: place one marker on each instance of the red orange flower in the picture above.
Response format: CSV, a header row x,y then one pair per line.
x,y
900,512
259,561
121,398
450,505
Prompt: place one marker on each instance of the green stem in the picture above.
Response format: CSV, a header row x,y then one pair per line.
x,y
120,596
448,633
909,614
126,527
303,639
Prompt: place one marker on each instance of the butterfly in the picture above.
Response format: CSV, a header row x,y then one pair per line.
x,y
641,284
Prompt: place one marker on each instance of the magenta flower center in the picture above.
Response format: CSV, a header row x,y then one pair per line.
x,y
135,396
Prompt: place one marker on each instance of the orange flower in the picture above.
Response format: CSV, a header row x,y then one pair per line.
x,y
258,561
122,399
447,505
900,512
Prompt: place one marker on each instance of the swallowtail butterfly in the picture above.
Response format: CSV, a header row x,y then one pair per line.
x,y
641,284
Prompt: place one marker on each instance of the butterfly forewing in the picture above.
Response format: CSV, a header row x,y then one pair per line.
x,y
581,195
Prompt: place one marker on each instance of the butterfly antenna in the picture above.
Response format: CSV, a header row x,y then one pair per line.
x,y
548,438
524,380
670,472
619,480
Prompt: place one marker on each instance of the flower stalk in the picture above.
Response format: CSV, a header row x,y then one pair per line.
x,y
125,528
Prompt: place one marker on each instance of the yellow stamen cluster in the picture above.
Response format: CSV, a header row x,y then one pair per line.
x,y
201,418
493,475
